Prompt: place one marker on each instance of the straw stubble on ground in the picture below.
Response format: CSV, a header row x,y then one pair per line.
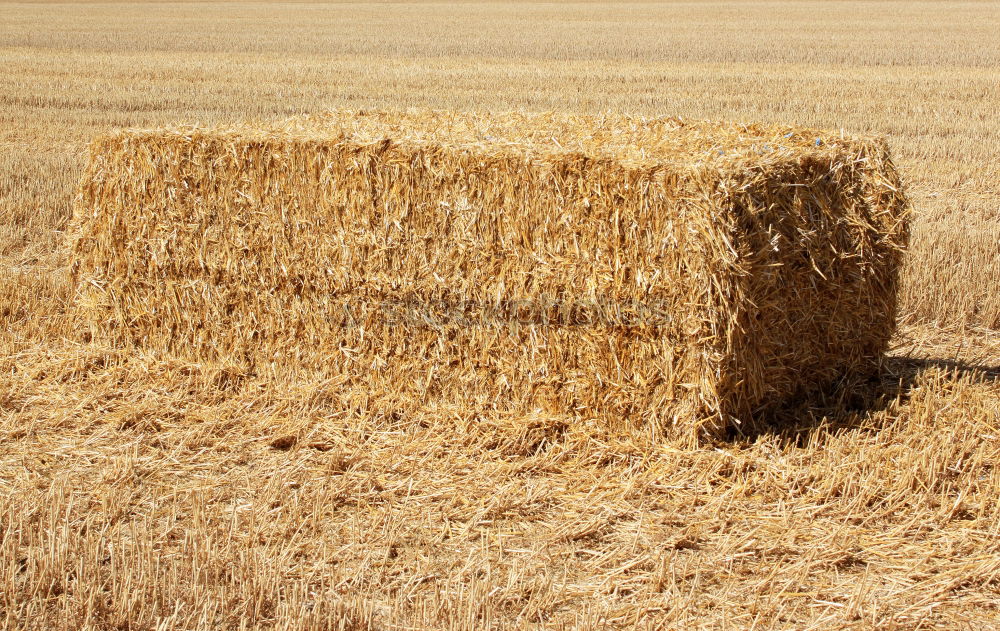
x,y
138,492
178,495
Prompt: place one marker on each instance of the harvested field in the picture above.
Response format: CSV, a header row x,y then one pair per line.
x,y
143,488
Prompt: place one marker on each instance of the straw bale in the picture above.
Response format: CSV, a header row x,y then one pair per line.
x,y
679,278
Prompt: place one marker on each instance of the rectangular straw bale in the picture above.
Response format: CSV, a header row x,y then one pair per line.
x,y
677,277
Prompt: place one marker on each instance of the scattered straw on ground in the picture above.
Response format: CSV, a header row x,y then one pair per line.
x,y
153,494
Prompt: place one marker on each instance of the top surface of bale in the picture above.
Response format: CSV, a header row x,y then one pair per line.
x,y
633,141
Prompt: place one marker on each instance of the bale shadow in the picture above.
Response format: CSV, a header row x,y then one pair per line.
x,y
854,403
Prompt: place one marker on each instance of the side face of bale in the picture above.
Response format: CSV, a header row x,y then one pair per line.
x,y
575,286
631,294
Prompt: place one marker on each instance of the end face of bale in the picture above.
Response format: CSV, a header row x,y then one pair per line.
x,y
625,273
819,241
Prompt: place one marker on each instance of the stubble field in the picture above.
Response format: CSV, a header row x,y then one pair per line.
x,y
147,493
